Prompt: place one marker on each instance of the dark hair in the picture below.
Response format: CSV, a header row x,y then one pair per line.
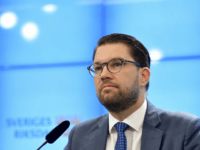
x,y
137,50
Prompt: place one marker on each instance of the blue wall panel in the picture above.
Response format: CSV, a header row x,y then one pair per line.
x,y
46,81
174,85
38,99
172,26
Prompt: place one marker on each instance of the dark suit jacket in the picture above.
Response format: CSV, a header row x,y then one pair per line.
x,y
162,130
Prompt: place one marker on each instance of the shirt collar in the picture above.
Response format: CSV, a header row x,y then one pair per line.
x,y
135,120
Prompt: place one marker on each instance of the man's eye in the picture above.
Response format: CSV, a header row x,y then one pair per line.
x,y
117,64
97,68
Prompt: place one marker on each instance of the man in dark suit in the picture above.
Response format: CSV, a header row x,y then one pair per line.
x,y
121,71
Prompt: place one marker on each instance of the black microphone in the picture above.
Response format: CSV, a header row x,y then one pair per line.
x,y
56,133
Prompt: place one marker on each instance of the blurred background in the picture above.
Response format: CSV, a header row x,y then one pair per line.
x,y
46,47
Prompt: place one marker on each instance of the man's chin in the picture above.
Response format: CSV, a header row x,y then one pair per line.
x,y
108,101
107,98
115,107
105,101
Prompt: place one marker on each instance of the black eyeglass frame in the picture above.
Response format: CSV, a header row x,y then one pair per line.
x,y
122,60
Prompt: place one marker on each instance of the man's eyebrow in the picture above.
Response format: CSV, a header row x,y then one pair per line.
x,y
97,62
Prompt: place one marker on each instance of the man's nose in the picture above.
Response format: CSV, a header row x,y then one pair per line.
x,y
105,71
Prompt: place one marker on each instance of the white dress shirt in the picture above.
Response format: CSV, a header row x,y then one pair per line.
x,y
133,133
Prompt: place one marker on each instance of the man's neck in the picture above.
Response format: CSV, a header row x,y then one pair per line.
x,y
124,114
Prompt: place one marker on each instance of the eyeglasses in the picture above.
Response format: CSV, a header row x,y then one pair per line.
x,y
114,65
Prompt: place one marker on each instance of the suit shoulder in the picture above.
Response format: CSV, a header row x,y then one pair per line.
x,y
178,116
90,124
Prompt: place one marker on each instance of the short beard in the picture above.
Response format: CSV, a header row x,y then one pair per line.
x,y
122,101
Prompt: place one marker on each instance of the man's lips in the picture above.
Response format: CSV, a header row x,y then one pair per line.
x,y
109,86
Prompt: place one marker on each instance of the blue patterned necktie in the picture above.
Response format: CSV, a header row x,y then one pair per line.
x,y
121,143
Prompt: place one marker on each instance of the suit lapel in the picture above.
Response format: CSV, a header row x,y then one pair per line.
x,y
98,138
151,136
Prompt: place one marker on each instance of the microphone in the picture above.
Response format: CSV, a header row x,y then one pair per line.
x,y
56,133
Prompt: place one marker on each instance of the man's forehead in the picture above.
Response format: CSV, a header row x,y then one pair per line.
x,y
107,52
99,61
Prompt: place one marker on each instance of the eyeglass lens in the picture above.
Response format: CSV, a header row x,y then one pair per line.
x,y
114,66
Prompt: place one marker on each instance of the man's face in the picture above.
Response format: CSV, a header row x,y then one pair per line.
x,y
126,82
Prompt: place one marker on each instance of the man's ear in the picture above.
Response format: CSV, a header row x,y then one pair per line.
x,y
144,76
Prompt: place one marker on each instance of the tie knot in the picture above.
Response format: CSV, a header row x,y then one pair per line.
x,y
121,127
